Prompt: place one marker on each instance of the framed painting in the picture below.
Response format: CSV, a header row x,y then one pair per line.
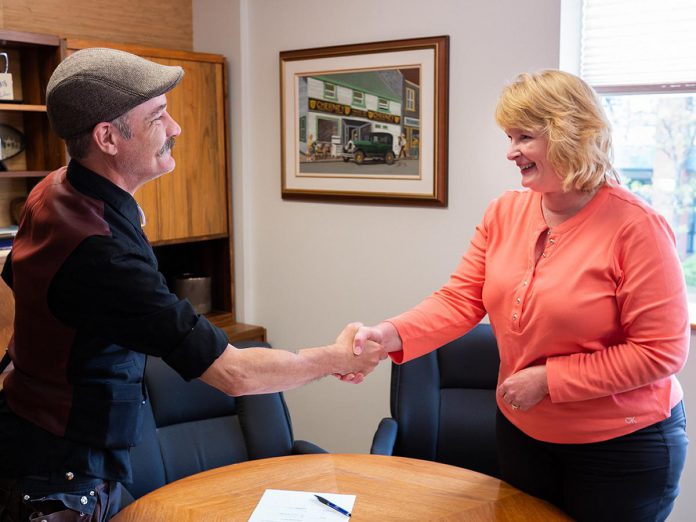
x,y
366,122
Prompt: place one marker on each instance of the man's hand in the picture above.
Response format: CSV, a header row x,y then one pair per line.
x,y
525,388
360,364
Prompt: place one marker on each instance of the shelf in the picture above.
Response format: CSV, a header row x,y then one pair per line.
x,y
17,39
23,107
236,331
24,173
183,241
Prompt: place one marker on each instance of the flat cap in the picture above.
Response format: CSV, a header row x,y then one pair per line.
x,y
99,84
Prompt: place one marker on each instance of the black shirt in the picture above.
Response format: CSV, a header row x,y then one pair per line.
x,y
109,292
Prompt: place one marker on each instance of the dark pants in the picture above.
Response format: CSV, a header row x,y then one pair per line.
x,y
631,478
36,500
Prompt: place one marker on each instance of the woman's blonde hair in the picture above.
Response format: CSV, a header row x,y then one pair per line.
x,y
568,111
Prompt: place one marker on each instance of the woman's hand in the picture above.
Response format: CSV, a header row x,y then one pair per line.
x,y
525,388
384,333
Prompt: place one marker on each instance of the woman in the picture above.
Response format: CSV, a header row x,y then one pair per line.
x,y
583,287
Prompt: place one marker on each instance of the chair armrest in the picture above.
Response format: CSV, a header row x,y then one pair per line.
x,y
385,437
302,447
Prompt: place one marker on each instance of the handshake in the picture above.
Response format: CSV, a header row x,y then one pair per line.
x,y
354,354
360,348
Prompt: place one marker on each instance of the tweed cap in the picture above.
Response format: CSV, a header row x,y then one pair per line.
x,y
98,84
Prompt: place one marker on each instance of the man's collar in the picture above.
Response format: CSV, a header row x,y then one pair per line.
x,y
92,184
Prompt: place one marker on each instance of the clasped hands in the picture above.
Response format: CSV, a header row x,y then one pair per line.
x,y
360,352
525,389
366,346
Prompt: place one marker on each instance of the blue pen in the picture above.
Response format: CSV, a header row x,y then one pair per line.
x,y
332,505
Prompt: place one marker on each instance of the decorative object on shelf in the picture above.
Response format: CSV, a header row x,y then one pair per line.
x,y
196,289
16,208
6,85
366,122
11,143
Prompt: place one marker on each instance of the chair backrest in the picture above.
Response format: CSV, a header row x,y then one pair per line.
x,y
444,403
191,427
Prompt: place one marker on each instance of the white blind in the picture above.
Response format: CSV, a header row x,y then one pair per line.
x,y
639,42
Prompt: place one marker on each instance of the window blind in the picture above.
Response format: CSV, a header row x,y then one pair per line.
x,y
639,43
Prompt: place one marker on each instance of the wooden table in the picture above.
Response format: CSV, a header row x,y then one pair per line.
x,y
387,488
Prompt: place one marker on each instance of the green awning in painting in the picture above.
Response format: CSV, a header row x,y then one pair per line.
x,y
384,84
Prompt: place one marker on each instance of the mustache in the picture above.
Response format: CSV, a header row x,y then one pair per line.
x,y
168,145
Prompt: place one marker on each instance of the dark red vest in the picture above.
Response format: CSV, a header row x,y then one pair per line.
x,y
56,219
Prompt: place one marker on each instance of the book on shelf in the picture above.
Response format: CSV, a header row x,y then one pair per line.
x,y
7,235
8,232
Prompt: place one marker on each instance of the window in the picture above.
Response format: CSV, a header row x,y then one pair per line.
x,y
359,98
640,59
329,91
383,105
303,128
410,99
326,129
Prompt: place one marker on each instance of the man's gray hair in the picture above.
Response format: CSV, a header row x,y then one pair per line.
x,y
78,146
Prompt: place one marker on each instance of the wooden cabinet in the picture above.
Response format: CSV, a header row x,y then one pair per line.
x,y
197,200
188,211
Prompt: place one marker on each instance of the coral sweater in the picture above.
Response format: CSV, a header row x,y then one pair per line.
x,y
604,308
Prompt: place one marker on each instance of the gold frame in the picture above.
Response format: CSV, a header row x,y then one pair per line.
x,y
425,183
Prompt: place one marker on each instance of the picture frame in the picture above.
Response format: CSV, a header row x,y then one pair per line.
x,y
366,123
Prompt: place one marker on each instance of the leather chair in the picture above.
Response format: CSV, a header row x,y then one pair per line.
x,y
191,427
443,405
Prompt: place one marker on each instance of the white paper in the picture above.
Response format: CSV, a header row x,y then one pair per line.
x,y
277,505
6,91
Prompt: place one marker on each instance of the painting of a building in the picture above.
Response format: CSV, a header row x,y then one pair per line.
x,y
336,108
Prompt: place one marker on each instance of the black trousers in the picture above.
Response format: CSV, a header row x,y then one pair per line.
x,y
631,478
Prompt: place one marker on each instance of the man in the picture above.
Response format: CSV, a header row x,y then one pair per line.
x,y
90,303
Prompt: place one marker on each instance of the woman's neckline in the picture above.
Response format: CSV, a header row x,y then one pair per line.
x,y
556,217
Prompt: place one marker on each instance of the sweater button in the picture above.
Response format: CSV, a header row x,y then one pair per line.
x,y
514,317
69,475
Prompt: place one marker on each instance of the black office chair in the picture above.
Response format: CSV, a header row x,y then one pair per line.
x,y
191,427
443,405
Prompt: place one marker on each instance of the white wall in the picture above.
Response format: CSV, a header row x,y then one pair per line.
x,y
305,269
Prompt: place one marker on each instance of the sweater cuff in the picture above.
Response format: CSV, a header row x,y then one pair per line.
x,y
198,351
397,357
555,367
